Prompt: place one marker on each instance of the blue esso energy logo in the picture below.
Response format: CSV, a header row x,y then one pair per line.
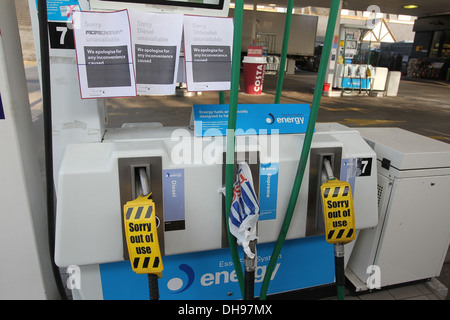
x,y
294,119
204,282
211,274
177,285
304,263
270,119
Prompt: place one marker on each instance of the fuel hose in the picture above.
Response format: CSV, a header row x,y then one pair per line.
x,y
334,11
221,97
250,268
232,115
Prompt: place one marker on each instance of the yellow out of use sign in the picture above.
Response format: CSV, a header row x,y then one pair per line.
x,y
338,211
141,236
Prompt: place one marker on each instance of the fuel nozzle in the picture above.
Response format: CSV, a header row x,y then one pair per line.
x,y
328,169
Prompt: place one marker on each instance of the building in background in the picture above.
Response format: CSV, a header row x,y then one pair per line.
x,y
430,54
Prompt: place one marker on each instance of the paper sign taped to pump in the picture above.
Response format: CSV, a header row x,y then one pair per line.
x,y
208,45
156,44
104,58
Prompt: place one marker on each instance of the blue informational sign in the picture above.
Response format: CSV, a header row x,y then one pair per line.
x,y
356,83
212,120
61,10
210,275
268,191
2,113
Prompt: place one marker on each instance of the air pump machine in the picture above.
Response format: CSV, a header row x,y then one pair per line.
x,y
97,172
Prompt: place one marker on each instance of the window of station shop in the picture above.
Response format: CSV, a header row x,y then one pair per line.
x,y
446,45
440,45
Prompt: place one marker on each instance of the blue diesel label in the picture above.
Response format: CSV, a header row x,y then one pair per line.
x,y
173,197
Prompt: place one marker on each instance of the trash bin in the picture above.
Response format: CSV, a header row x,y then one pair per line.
x,y
254,68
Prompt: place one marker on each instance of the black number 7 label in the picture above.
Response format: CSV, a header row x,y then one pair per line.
x,y
61,35
364,166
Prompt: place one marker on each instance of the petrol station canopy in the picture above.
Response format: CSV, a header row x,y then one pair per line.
x,y
424,8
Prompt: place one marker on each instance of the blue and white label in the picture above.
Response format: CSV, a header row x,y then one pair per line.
x,y
268,191
210,275
173,197
61,10
212,120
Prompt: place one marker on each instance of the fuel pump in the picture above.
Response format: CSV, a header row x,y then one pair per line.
x,y
193,236
353,70
176,213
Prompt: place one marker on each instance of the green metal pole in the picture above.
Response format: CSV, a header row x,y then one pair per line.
x,y
334,11
232,115
221,97
287,28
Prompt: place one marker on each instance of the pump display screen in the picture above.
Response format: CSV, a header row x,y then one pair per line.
x,y
210,4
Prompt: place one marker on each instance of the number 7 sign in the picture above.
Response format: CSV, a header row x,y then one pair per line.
x,y
364,166
61,35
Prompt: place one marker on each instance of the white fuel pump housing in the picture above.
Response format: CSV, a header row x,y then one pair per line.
x,y
95,179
